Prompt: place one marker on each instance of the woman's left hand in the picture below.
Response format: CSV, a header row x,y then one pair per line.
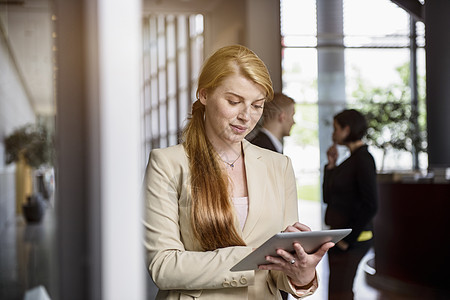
x,y
299,266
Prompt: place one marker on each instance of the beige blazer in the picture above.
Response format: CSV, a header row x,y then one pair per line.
x,y
178,266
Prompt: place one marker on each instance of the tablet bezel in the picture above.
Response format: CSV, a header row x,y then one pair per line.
x,y
310,241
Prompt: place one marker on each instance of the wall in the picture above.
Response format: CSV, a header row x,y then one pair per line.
x,y
438,89
15,110
224,25
99,236
252,23
263,35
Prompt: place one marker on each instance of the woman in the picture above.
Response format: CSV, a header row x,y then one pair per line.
x,y
350,191
214,198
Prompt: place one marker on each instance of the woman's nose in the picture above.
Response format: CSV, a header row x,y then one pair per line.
x,y
244,114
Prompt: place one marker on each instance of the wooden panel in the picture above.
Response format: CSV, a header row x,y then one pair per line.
x,y
411,234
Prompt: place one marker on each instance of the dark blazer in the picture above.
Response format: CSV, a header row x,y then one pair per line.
x,y
262,140
350,190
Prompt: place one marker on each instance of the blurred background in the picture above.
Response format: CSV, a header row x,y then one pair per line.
x,y
88,88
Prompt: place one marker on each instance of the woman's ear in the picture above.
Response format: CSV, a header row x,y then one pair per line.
x,y
202,96
347,131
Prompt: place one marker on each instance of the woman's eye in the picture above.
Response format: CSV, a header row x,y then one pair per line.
x,y
258,106
233,102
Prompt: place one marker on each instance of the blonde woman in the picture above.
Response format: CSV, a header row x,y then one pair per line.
x,y
215,197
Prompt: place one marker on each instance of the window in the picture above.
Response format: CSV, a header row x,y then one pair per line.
x,y
299,80
375,49
173,54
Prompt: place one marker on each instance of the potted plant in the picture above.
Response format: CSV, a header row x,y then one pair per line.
x,y
30,147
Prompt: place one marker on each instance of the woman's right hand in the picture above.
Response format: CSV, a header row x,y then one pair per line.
x,y
332,155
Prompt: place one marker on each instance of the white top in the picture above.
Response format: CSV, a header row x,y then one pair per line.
x,y
241,206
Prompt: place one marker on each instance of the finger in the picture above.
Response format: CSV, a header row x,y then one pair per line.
x,y
324,248
301,253
274,267
296,227
286,256
301,226
291,228
279,261
333,151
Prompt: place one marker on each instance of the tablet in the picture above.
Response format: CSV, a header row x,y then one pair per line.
x,y
310,241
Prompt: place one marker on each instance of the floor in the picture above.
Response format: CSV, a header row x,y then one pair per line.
x,y
309,213
27,258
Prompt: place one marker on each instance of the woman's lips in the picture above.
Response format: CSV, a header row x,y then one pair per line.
x,y
239,129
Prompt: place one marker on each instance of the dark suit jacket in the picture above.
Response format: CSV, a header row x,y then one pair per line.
x,y
262,140
350,190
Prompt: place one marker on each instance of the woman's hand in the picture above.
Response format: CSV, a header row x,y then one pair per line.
x,y
299,266
332,155
343,245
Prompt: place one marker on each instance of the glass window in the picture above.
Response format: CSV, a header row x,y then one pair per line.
x,y
173,46
298,22
377,58
300,74
299,80
364,65
364,27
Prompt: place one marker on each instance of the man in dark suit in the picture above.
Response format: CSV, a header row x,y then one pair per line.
x,y
277,121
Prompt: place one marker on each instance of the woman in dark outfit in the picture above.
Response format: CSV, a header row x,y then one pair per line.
x,y
351,194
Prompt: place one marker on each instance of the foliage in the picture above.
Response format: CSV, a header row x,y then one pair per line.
x,y
34,142
305,132
393,124
309,192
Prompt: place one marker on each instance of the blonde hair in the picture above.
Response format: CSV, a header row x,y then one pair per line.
x,y
211,208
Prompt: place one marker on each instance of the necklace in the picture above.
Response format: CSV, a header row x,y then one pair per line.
x,y
231,164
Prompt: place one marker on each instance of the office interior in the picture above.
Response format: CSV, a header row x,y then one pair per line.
x,y
86,70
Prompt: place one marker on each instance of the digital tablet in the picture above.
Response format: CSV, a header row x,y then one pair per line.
x,y
310,241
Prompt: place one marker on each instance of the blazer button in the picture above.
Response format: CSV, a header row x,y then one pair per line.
x,y
234,283
226,284
243,280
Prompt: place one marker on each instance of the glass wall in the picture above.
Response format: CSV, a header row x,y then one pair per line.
x,y
299,76
173,54
377,41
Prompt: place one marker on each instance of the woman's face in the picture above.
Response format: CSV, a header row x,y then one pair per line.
x,y
289,121
340,133
232,109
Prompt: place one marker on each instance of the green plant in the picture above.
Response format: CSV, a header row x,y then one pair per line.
x,y
33,142
393,122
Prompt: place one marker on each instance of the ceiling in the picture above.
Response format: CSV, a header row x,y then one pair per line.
x,y
28,29
178,6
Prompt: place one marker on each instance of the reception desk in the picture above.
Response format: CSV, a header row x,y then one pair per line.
x,y
412,238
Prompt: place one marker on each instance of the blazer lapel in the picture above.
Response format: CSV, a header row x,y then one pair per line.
x,y
256,172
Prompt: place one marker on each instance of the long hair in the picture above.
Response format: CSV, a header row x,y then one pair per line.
x,y
211,208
